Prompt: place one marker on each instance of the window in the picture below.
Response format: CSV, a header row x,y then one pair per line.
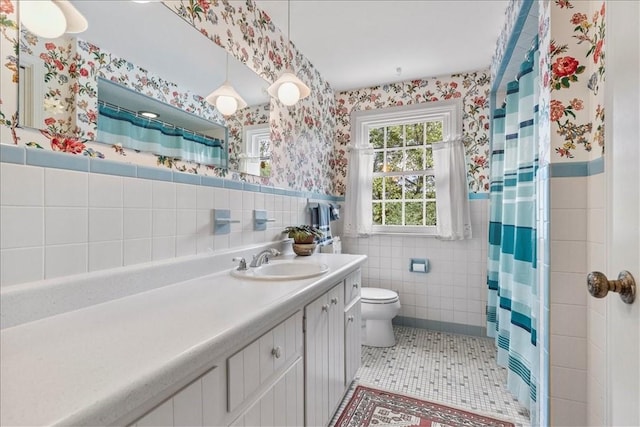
x,y
403,196
404,189
257,152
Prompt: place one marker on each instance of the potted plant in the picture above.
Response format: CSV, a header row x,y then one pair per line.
x,y
303,237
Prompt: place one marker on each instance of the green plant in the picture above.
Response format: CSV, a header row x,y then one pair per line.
x,y
303,233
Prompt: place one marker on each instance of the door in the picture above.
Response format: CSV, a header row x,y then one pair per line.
x,y
623,209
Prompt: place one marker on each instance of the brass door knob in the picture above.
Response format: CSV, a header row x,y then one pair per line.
x,y
599,286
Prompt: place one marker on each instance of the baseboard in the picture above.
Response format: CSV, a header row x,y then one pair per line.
x,y
436,325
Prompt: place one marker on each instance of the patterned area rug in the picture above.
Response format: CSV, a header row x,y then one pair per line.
x,y
371,407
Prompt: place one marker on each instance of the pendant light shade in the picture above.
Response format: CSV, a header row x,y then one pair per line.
x,y
51,19
289,89
226,99
76,23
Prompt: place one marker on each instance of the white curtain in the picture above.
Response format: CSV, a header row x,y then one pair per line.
x,y
357,210
452,207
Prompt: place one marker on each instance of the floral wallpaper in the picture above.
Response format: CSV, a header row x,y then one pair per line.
x,y
472,88
302,135
575,76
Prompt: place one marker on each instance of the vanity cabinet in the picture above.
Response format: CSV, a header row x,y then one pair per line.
x,y
261,384
352,325
324,356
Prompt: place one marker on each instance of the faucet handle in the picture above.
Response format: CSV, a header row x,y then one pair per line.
x,y
242,265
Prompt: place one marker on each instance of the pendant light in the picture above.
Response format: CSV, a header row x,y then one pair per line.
x,y
289,88
225,98
51,18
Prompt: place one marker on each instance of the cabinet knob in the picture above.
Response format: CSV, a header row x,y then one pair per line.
x,y
325,307
355,285
350,319
334,301
276,352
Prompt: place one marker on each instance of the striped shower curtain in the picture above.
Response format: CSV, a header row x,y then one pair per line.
x,y
511,273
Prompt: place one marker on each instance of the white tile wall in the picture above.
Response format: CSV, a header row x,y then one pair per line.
x,y
56,222
596,309
577,336
453,291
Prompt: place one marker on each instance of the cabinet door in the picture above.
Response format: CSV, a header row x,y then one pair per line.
x,y
352,286
281,405
316,365
352,338
336,346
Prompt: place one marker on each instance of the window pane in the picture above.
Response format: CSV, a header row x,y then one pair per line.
x,y
378,161
415,160
413,213
414,134
377,213
394,161
393,188
431,187
434,131
377,188
376,137
393,213
429,153
413,186
394,136
431,213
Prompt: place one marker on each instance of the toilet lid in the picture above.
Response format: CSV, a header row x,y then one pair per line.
x,y
378,295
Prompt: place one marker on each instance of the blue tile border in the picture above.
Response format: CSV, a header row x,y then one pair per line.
x,y
12,154
233,185
576,169
155,174
478,196
186,178
211,181
596,166
51,159
436,325
251,187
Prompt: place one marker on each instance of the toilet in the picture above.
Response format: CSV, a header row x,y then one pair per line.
x,y
379,306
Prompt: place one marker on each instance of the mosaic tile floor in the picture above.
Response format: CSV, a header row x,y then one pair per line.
x,y
455,370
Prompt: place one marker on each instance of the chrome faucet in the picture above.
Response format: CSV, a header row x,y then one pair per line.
x,y
263,257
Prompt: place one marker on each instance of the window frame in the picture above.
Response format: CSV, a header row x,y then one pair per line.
x,y
447,111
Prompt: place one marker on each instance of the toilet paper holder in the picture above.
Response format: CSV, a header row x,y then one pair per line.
x,y
419,265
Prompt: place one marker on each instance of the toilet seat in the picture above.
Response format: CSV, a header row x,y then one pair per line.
x,y
378,296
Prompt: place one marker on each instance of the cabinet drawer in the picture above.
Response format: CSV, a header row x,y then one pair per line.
x,y
260,361
352,286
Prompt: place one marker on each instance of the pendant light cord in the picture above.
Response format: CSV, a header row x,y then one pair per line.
x,y
290,59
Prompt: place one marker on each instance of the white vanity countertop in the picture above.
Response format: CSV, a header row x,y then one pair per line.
x,y
95,365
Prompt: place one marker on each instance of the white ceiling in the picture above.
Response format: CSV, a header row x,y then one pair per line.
x,y
352,43
357,43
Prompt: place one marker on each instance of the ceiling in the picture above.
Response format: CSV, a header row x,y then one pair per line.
x,y
357,43
352,43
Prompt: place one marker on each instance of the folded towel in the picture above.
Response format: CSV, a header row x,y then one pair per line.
x,y
320,214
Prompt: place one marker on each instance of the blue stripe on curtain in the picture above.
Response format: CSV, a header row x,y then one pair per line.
x,y
117,126
512,254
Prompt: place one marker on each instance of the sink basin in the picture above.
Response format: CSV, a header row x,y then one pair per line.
x,y
283,270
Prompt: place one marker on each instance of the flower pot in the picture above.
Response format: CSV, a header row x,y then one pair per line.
x,y
304,249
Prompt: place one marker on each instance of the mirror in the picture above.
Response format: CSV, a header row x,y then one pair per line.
x,y
127,59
